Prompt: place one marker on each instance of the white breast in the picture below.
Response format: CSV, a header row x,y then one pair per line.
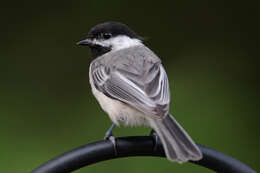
x,y
118,112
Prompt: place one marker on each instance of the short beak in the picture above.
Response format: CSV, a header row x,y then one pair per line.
x,y
86,42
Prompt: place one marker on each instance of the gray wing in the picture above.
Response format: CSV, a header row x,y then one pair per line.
x,y
145,87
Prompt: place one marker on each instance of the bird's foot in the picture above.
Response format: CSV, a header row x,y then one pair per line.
x,y
109,136
155,139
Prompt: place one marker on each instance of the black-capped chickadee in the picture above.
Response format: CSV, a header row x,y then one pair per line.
x,y
131,86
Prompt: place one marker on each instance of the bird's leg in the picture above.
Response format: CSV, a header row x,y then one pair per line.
x,y
109,136
109,132
155,138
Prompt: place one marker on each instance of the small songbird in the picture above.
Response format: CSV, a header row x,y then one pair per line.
x,y
131,85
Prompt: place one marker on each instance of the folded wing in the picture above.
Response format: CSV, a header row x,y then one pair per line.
x,y
145,88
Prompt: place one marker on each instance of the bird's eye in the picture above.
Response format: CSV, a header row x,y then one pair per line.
x,y
107,35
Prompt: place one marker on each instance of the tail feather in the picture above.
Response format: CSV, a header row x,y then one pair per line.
x,y
177,144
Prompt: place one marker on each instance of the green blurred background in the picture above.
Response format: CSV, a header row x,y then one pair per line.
x,y
209,50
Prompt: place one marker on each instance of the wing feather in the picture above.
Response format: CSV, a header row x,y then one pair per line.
x,y
145,89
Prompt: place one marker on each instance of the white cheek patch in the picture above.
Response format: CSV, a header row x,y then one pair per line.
x,y
100,43
119,42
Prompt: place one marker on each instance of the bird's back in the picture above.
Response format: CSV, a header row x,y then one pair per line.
x,y
136,56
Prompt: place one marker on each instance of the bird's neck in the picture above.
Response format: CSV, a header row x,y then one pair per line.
x,y
114,44
123,42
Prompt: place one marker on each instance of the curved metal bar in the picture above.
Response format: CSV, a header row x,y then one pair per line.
x,y
134,146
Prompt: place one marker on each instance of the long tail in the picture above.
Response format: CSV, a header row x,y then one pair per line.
x,y
177,144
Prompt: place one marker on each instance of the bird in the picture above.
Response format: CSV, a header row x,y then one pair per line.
x,y
131,85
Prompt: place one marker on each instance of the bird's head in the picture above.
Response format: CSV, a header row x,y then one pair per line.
x,y
110,36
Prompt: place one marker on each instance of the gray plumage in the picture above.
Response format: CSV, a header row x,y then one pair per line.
x,y
135,77
177,144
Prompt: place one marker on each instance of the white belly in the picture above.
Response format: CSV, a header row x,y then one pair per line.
x,y
119,112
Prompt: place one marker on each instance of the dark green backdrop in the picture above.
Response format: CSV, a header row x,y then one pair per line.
x,y
209,50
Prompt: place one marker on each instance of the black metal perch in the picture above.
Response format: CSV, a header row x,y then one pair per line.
x,y
134,146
